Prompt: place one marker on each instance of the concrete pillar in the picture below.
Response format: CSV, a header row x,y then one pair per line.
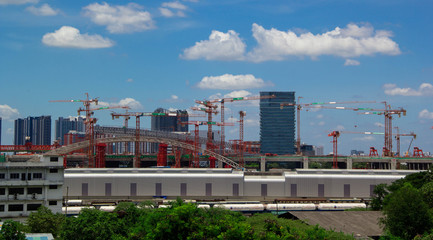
x,y
262,164
393,164
349,163
305,162
220,164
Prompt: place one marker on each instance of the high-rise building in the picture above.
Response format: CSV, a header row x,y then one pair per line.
x,y
65,125
277,126
319,150
36,129
170,124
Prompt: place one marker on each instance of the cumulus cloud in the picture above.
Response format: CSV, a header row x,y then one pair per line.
x,y
351,62
236,94
120,19
70,37
174,97
172,9
425,89
129,80
44,10
273,44
17,2
130,102
352,41
232,82
425,114
220,46
8,113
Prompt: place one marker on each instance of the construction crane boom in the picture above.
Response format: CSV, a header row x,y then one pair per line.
x,y
299,107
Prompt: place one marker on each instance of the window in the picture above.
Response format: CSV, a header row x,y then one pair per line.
x,y
133,189
34,190
52,203
53,186
2,208
16,207
37,175
13,191
53,170
235,189
208,189
15,176
84,189
33,207
183,189
264,190
54,159
2,191
2,176
29,176
158,189
107,189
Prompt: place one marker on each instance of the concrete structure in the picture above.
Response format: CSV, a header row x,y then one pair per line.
x,y
277,126
318,150
65,125
134,183
170,124
27,184
37,128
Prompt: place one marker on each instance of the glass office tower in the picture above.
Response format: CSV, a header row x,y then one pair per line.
x,y
277,126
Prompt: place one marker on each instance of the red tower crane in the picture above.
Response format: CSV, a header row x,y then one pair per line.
x,y
299,107
335,135
397,138
196,160
209,109
222,101
387,112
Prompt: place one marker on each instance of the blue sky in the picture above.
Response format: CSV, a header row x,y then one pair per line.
x,y
151,54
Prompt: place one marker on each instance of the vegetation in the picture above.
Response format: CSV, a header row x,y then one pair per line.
x,y
407,205
180,221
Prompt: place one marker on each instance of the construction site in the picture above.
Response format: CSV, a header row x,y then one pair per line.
x,y
134,147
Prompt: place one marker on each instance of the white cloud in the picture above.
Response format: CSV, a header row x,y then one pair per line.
x,y
351,62
378,124
169,13
321,123
129,80
425,89
352,41
174,5
70,37
273,44
17,2
120,19
236,94
8,113
231,82
174,97
130,102
220,46
44,10
425,114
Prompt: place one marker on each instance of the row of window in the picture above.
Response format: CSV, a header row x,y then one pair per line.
x,y
208,189
20,207
28,176
30,190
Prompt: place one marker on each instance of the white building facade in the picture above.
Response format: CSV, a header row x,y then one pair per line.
x,y
25,185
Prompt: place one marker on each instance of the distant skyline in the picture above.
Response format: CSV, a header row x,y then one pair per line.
x,y
151,54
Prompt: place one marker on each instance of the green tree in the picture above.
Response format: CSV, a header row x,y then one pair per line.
x,y
11,231
406,214
380,192
45,221
427,192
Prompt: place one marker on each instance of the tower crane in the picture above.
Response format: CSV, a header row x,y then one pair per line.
x,y
137,115
209,109
222,101
196,159
387,112
397,138
242,114
299,107
89,122
335,135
